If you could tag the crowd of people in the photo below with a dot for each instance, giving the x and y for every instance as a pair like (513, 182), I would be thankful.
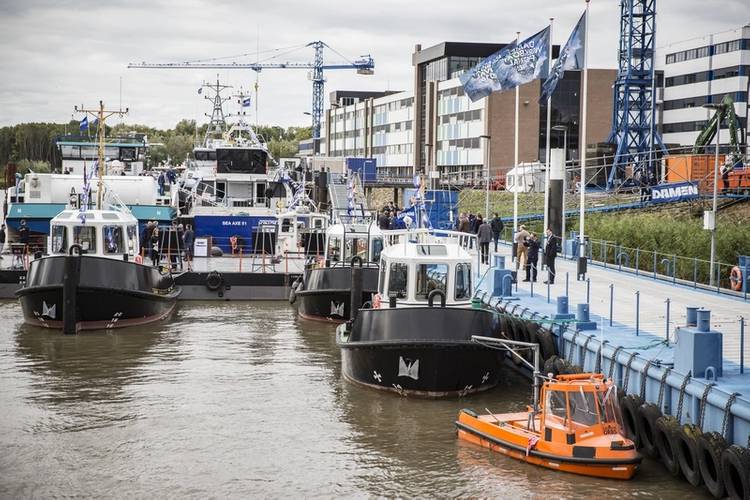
(388, 217)
(486, 231)
(171, 243)
(527, 253)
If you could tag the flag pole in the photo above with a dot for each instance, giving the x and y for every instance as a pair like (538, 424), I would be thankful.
(582, 145)
(549, 132)
(515, 160)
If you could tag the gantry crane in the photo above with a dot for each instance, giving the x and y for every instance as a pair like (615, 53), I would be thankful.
(365, 65)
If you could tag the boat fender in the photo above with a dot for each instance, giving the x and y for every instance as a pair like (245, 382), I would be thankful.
(138, 259)
(549, 366)
(431, 296)
(735, 464)
(687, 453)
(546, 343)
(710, 447)
(630, 405)
(214, 280)
(666, 442)
(293, 291)
(376, 300)
(647, 415)
(75, 250)
(165, 283)
(735, 279)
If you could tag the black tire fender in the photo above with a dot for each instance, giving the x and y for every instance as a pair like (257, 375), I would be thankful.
(214, 280)
(710, 447)
(666, 443)
(735, 466)
(647, 415)
(687, 453)
(546, 343)
(630, 405)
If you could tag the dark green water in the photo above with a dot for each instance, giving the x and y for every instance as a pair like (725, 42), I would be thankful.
(243, 400)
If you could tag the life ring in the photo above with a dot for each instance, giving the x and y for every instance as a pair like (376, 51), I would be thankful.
(293, 291)
(214, 280)
(710, 447)
(75, 250)
(376, 300)
(687, 453)
(735, 279)
(138, 259)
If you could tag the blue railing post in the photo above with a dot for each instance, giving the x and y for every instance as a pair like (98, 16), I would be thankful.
(695, 272)
(718, 277)
(667, 325)
(604, 253)
(567, 277)
(674, 268)
(637, 312)
(611, 301)
(742, 345)
(531, 282)
(548, 297)
(654, 264)
(588, 290)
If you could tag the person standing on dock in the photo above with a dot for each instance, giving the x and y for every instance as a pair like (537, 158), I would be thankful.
(497, 228)
(154, 242)
(484, 235)
(188, 238)
(532, 257)
(550, 254)
(519, 239)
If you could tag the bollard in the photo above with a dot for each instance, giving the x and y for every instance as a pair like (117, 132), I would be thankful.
(562, 305)
(588, 290)
(667, 325)
(637, 312)
(692, 316)
(704, 320)
(611, 301)
(582, 312)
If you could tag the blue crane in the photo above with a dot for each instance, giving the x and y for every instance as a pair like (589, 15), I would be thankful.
(365, 65)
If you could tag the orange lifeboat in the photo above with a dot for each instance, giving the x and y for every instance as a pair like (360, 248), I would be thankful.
(577, 428)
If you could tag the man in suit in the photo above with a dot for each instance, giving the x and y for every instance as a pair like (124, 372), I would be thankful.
(550, 253)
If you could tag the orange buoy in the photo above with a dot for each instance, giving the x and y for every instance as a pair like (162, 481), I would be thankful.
(735, 279)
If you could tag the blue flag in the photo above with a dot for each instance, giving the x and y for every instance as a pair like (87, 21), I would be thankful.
(511, 66)
(200, 90)
(84, 125)
(571, 58)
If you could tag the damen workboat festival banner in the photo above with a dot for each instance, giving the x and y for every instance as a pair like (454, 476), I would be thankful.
(511, 66)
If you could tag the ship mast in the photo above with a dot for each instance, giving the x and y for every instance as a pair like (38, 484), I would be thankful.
(101, 116)
(218, 124)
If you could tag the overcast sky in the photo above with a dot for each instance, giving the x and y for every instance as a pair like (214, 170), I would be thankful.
(54, 55)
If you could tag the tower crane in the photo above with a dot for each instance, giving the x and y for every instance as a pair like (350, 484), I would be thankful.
(365, 65)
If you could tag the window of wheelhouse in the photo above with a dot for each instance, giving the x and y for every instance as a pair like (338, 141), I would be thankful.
(260, 193)
(398, 279)
(85, 236)
(555, 409)
(463, 281)
(377, 248)
(132, 238)
(334, 249)
(286, 225)
(431, 277)
(59, 239)
(583, 409)
(113, 239)
(356, 247)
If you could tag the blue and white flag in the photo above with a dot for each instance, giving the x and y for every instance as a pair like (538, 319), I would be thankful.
(513, 65)
(246, 102)
(571, 58)
(84, 125)
(200, 90)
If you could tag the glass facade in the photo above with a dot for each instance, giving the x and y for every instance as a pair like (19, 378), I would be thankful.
(566, 112)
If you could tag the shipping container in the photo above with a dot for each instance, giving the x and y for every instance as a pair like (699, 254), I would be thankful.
(697, 168)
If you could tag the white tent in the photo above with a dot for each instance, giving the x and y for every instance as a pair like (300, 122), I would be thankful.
(525, 178)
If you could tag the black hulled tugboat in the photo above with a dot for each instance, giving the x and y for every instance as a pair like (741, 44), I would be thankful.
(416, 341)
(324, 291)
(93, 277)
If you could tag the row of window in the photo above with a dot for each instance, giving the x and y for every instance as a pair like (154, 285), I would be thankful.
(704, 76)
(708, 50)
(695, 126)
(393, 127)
(92, 152)
(394, 105)
(698, 101)
(429, 277)
(469, 143)
(394, 149)
(85, 236)
(463, 116)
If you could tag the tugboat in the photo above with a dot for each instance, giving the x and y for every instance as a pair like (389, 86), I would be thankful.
(324, 291)
(417, 342)
(577, 428)
(93, 277)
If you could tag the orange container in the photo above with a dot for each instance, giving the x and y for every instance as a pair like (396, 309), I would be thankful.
(699, 168)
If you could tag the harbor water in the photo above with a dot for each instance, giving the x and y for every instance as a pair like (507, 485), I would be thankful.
(244, 400)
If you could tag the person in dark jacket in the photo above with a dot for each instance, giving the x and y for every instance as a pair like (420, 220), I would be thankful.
(188, 238)
(550, 254)
(497, 228)
(383, 219)
(155, 246)
(484, 235)
(532, 257)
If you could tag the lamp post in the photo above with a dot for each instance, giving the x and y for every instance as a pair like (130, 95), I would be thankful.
(564, 130)
(712, 226)
(486, 174)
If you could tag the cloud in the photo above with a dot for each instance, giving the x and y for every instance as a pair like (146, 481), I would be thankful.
(59, 54)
